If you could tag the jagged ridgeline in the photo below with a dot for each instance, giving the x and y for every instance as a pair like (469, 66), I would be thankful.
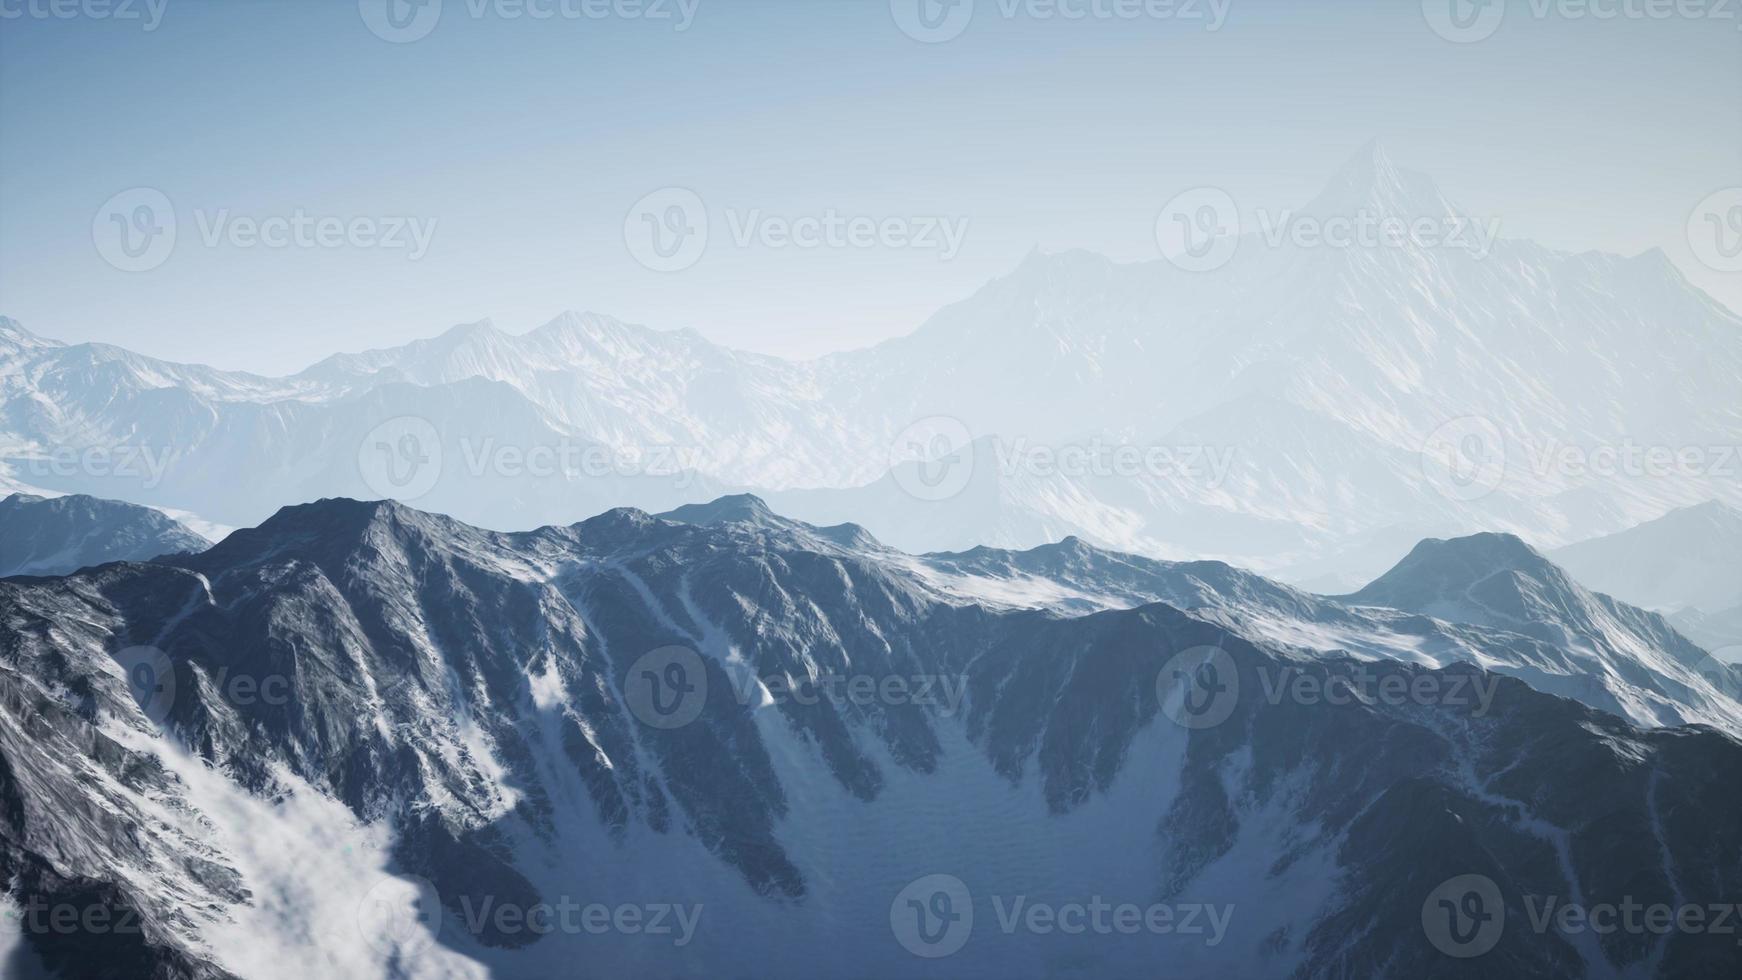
(362, 739)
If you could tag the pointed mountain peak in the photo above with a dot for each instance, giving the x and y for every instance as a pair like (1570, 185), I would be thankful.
(1371, 163)
(13, 336)
(601, 330)
(1371, 183)
(467, 332)
(1368, 172)
(574, 320)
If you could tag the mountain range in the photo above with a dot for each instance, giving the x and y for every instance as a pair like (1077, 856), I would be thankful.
(1305, 410)
(345, 741)
(54, 536)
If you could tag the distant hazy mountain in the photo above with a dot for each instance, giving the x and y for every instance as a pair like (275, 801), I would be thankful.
(1687, 563)
(1719, 632)
(382, 727)
(1273, 411)
(1688, 557)
(54, 536)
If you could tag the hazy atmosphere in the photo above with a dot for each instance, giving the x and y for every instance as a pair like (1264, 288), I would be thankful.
(936, 489)
(1051, 124)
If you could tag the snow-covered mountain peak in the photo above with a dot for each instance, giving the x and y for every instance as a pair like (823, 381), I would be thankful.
(1475, 554)
(1371, 183)
(13, 337)
(1498, 580)
(743, 507)
(1450, 571)
(337, 530)
(605, 336)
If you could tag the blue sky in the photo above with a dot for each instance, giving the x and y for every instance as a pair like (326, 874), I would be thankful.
(521, 144)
